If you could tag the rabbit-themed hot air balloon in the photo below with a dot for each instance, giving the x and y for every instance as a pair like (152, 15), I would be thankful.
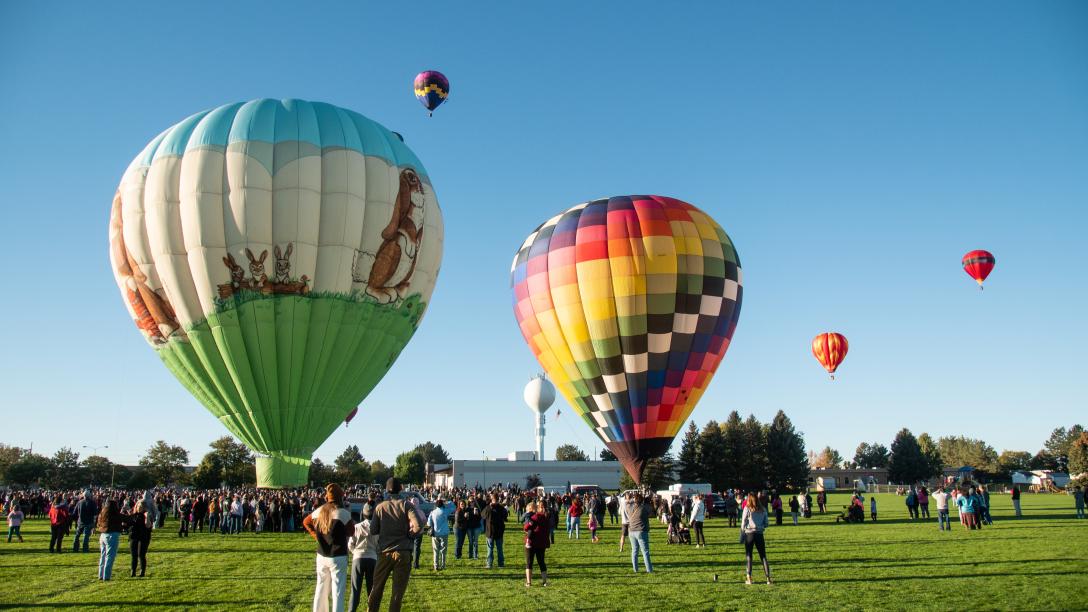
(278, 255)
(630, 304)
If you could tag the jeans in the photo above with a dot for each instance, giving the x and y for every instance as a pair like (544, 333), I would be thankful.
(56, 538)
(235, 523)
(14, 531)
(492, 545)
(795, 516)
(138, 549)
(943, 520)
(1016, 506)
(417, 547)
(640, 541)
(332, 574)
(107, 552)
(439, 544)
(399, 565)
(460, 533)
(925, 509)
(1080, 512)
(213, 522)
(574, 525)
(362, 571)
(474, 543)
(85, 531)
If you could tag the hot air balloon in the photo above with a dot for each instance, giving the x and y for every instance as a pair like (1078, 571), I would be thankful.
(432, 88)
(351, 415)
(830, 349)
(277, 255)
(978, 265)
(539, 395)
(629, 303)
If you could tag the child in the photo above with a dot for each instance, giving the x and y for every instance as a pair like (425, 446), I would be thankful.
(872, 507)
(593, 527)
(15, 520)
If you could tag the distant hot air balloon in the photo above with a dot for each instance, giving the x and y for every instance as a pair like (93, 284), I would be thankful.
(277, 255)
(432, 88)
(351, 415)
(629, 303)
(978, 265)
(830, 349)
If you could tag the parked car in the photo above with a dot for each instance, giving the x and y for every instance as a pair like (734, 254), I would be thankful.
(715, 505)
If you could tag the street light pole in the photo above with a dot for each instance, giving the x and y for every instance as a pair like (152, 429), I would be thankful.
(484, 453)
(94, 452)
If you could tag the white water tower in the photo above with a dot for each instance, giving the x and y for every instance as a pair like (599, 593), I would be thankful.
(539, 395)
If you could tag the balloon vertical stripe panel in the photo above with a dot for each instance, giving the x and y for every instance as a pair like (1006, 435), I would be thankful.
(629, 303)
(278, 255)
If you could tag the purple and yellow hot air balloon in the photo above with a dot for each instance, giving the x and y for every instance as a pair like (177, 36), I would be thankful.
(630, 304)
(432, 88)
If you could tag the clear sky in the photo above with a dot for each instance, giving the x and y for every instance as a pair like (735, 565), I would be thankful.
(854, 151)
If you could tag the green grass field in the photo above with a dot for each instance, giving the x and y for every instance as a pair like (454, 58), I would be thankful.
(1039, 562)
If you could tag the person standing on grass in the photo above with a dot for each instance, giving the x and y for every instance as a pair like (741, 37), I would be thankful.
(460, 527)
(1016, 500)
(574, 519)
(795, 508)
(872, 507)
(1078, 501)
(139, 523)
(912, 503)
(494, 518)
(731, 508)
(625, 526)
(85, 515)
(696, 518)
(395, 524)
(475, 525)
(537, 539)
(364, 558)
(15, 521)
(753, 522)
(237, 513)
(941, 499)
(613, 509)
(417, 539)
(821, 501)
(776, 505)
(966, 503)
(923, 502)
(984, 506)
(110, 525)
(58, 524)
(639, 514)
(330, 525)
(439, 523)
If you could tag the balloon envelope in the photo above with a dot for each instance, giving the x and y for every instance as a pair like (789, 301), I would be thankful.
(978, 265)
(830, 349)
(431, 88)
(277, 255)
(630, 304)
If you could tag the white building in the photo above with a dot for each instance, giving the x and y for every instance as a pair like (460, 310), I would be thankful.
(515, 468)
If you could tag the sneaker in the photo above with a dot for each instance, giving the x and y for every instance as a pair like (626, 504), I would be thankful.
(769, 581)
(747, 580)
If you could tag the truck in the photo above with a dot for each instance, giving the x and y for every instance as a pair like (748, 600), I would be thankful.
(688, 489)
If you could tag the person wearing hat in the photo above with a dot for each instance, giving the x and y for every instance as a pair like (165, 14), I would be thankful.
(364, 552)
(330, 525)
(396, 525)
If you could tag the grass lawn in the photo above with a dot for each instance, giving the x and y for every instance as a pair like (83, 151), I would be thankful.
(1038, 562)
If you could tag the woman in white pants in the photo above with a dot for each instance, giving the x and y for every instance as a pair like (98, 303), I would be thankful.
(330, 525)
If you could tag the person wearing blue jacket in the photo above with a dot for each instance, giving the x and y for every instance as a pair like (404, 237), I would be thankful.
(968, 505)
(439, 523)
(753, 521)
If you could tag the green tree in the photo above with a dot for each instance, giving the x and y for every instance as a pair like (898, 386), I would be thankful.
(208, 473)
(30, 469)
(433, 453)
(533, 481)
(658, 474)
(787, 464)
(1057, 445)
(827, 459)
(165, 463)
(141, 480)
(380, 472)
(687, 462)
(607, 455)
(960, 450)
(570, 452)
(907, 464)
(9, 455)
(321, 474)
(869, 456)
(711, 455)
(65, 471)
(98, 470)
(736, 447)
(409, 467)
(352, 468)
(932, 452)
(753, 465)
(239, 466)
(1043, 461)
(1013, 461)
(1078, 455)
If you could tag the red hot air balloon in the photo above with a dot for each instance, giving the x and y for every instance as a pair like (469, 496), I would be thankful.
(351, 415)
(830, 349)
(978, 265)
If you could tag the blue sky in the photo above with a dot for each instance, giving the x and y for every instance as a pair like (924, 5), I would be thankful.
(853, 150)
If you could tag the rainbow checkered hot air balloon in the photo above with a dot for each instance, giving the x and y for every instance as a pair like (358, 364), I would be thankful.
(432, 88)
(630, 304)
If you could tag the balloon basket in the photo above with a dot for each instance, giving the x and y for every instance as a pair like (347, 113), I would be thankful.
(282, 471)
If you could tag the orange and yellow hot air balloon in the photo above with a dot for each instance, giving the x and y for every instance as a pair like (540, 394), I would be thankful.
(830, 349)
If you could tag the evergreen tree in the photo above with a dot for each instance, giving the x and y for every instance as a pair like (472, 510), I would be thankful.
(736, 446)
(932, 452)
(352, 468)
(787, 464)
(870, 456)
(688, 459)
(753, 465)
(1078, 455)
(907, 464)
(658, 473)
(433, 453)
(321, 474)
(607, 455)
(1057, 445)
(569, 452)
(710, 456)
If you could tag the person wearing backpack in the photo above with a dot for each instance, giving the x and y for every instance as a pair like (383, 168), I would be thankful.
(58, 524)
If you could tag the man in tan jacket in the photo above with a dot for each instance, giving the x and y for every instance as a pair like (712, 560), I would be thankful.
(396, 525)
